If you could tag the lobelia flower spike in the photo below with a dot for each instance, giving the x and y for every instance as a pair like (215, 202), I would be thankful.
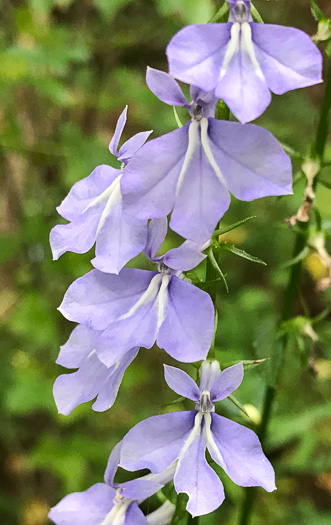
(111, 503)
(139, 307)
(191, 170)
(92, 379)
(181, 438)
(95, 209)
(243, 61)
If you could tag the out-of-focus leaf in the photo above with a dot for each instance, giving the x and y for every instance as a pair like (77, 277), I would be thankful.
(110, 8)
(30, 391)
(297, 259)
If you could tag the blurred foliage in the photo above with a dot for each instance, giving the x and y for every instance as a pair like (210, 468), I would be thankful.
(67, 69)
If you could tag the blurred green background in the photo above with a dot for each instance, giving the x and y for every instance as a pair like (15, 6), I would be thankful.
(67, 69)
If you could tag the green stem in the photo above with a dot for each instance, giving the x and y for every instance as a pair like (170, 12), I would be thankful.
(192, 521)
(211, 275)
(289, 302)
(318, 150)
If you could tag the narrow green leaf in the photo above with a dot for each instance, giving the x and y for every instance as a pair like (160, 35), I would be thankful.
(256, 15)
(221, 15)
(175, 402)
(248, 364)
(213, 261)
(320, 317)
(316, 11)
(235, 401)
(206, 284)
(241, 253)
(295, 155)
(227, 229)
(297, 259)
(178, 121)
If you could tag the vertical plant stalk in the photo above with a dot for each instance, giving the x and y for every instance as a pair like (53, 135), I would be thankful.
(193, 521)
(317, 151)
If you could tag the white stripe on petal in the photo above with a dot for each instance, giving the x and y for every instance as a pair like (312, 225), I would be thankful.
(117, 514)
(147, 296)
(163, 299)
(248, 47)
(193, 434)
(193, 143)
(208, 152)
(211, 442)
(162, 477)
(114, 197)
(232, 48)
(110, 196)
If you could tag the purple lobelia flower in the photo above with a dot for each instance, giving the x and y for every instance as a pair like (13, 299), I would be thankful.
(95, 209)
(139, 307)
(181, 439)
(191, 170)
(92, 379)
(243, 61)
(111, 503)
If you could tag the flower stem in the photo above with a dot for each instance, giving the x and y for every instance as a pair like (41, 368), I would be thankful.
(318, 150)
(290, 297)
(324, 123)
(192, 521)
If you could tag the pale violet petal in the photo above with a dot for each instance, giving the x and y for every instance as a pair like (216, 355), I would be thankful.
(97, 299)
(227, 382)
(131, 146)
(120, 238)
(195, 477)
(165, 87)
(240, 454)
(201, 195)
(113, 145)
(235, 149)
(84, 508)
(112, 465)
(241, 83)
(134, 516)
(149, 185)
(196, 53)
(85, 191)
(156, 442)
(181, 383)
(184, 258)
(287, 56)
(209, 371)
(157, 231)
(79, 345)
(188, 328)
(139, 489)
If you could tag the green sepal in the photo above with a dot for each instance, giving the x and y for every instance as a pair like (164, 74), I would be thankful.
(214, 264)
(227, 229)
(241, 253)
(248, 364)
